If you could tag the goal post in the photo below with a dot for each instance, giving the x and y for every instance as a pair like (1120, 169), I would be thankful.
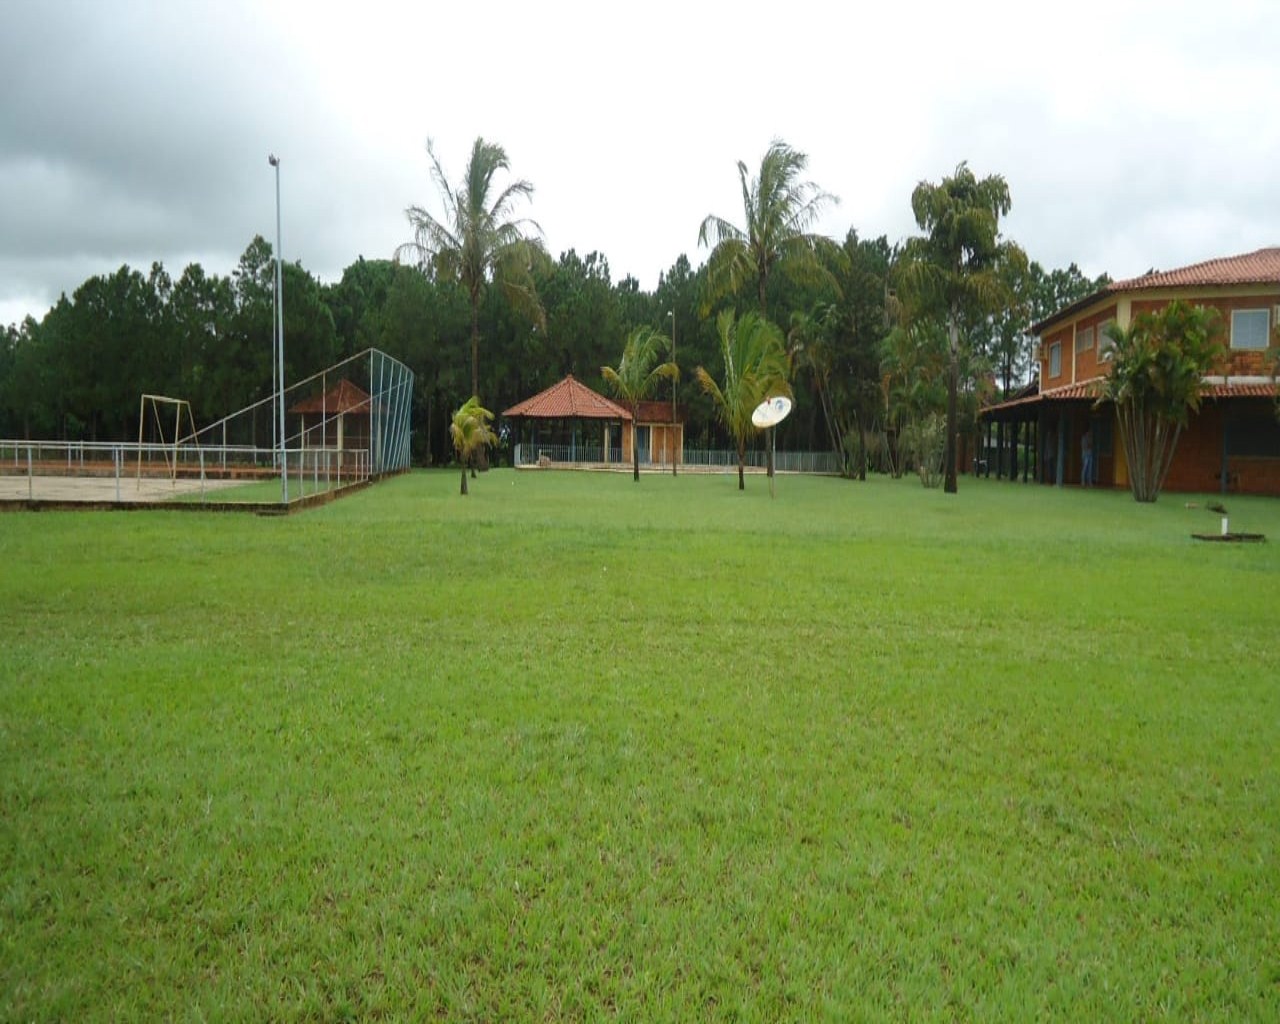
(165, 415)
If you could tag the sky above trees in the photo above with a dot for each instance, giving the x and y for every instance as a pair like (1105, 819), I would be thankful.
(1131, 134)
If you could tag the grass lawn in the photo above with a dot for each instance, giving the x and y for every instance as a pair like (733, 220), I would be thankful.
(574, 748)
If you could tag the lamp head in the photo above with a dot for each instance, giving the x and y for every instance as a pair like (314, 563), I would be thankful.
(273, 160)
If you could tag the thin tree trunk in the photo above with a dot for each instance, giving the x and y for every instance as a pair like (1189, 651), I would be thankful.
(464, 478)
(475, 345)
(635, 449)
(742, 455)
(862, 450)
(949, 456)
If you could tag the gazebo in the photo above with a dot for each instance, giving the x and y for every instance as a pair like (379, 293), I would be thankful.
(568, 422)
(337, 418)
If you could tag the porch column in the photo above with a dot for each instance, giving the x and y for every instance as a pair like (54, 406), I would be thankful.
(1062, 448)
(1225, 474)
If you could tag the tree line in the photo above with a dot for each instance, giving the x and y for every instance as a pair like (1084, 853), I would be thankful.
(873, 344)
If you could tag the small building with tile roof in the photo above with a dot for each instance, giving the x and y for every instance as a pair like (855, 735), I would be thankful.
(1231, 444)
(337, 418)
(569, 422)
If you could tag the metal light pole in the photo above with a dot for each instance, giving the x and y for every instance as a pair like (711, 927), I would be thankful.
(675, 455)
(274, 161)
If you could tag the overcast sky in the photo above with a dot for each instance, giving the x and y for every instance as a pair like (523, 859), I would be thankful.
(1132, 134)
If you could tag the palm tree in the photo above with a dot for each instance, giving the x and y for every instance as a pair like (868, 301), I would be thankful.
(953, 269)
(636, 376)
(1158, 365)
(778, 210)
(471, 433)
(755, 368)
(477, 240)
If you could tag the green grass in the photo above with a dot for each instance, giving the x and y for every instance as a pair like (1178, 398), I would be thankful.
(574, 748)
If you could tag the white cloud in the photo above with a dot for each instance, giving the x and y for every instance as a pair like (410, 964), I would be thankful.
(1131, 134)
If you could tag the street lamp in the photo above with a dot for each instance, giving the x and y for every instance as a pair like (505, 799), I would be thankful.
(674, 380)
(274, 161)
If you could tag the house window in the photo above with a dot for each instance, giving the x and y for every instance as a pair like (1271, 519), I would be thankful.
(1105, 344)
(1084, 340)
(1249, 328)
(1055, 359)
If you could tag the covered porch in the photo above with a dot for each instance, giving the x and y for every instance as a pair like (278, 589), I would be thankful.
(1040, 437)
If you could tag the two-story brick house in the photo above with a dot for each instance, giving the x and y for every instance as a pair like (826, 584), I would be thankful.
(1231, 444)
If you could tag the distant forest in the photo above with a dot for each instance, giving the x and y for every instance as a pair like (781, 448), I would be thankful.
(862, 361)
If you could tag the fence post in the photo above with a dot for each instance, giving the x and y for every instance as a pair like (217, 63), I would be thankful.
(30, 477)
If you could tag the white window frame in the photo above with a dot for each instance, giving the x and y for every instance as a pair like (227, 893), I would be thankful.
(1084, 339)
(1264, 315)
(1105, 344)
(1055, 357)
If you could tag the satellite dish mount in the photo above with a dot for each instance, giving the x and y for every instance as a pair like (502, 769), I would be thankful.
(767, 415)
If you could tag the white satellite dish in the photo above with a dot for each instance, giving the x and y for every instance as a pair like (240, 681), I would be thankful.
(771, 411)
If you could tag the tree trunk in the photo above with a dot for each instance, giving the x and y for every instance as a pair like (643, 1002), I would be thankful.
(742, 456)
(464, 478)
(475, 345)
(949, 456)
(862, 450)
(635, 450)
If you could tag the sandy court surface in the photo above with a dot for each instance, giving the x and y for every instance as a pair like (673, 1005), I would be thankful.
(103, 489)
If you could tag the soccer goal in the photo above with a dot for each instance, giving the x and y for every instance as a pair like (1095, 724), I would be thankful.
(161, 432)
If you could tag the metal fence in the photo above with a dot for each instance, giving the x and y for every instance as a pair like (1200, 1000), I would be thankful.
(363, 402)
(694, 458)
(127, 472)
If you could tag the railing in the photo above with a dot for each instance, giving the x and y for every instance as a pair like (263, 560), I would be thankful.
(128, 472)
(784, 462)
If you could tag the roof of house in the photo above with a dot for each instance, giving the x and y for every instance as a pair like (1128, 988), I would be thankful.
(568, 400)
(1260, 267)
(342, 398)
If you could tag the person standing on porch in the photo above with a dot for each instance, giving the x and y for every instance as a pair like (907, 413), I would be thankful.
(1086, 458)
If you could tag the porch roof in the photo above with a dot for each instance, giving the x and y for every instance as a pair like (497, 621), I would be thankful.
(568, 399)
(1091, 390)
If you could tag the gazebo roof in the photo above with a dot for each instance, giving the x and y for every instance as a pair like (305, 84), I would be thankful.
(341, 399)
(570, 399)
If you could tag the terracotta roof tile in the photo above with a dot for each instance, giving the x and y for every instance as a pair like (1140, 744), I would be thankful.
(654, 412)
(567, 400)
(344, 397)
(1092, 388)
(1261, 267)
(1253, 389)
